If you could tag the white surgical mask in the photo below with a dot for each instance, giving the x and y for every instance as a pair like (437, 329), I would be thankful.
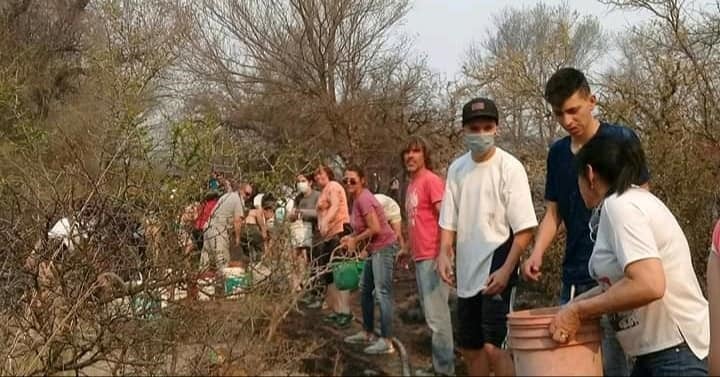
(303, 187)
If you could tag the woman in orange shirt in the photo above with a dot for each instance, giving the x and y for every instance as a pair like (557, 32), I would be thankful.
(333, 218)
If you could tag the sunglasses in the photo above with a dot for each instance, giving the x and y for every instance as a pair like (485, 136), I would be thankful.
(350, 181)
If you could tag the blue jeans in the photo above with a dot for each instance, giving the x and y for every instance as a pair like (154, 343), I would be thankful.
(377, 279)
(615, 362)
(674, 361)
(434, 300)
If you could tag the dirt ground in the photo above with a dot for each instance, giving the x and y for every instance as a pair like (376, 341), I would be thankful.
(337, 358)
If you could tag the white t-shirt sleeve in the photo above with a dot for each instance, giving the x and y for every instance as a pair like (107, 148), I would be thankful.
(632, 237)
(518, 199)
(449, 208)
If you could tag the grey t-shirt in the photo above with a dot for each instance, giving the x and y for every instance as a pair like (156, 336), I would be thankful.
(306, 206)
(229, 205)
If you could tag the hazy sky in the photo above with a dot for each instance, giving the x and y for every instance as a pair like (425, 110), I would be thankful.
(443, 29)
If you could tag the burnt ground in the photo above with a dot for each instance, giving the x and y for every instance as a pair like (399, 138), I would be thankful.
(338, 358)
(349, 360)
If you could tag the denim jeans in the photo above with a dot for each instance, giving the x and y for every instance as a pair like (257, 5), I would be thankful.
(434, 300)
(674, 361)
(615, 362)
(377, 281)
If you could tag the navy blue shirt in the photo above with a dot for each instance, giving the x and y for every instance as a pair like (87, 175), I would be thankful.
(561, 186)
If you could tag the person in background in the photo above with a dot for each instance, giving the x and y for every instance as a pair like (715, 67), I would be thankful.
(572, 102)
(224, 227)
(304, 220)
(713, 290)
(394, 216)
(642, 262)
(255, 235)
(371, 228)
(333, 219)
(247, 195)
(206, 208)
(422, 205)
(488, 210)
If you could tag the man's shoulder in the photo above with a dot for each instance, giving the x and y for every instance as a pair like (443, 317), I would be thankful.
(458, 164)
(429, 177)
(561, 144)
(613, 129)
(507, 159)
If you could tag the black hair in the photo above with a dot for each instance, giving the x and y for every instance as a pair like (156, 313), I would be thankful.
(357, 169)
(563, 84)
(619, 161)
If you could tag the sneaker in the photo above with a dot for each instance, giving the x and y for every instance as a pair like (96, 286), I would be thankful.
(343, 321)
(380, 347)
(359, 338)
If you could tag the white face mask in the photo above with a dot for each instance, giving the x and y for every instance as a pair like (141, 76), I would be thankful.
(303, 187)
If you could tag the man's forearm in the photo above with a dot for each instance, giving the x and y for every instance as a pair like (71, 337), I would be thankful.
(546, 233)
(520, 244)
(447, 239)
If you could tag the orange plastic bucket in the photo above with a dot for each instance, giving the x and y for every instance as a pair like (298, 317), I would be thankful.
(535, 353)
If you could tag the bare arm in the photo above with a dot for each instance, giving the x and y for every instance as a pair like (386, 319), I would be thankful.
(397, 228)
(644, 282)
(546, 233)
(548, 229)
(444, 259)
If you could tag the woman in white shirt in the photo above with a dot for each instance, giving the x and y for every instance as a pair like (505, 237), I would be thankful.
(642, 262)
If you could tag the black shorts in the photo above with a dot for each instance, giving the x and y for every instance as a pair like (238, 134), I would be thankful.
(483, 319)
(323, 253)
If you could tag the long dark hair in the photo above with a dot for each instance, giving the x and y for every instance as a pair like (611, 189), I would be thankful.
(421, 143)
(619, 161)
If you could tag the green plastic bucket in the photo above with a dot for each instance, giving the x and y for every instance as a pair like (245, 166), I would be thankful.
(236, 280)
(346, 274)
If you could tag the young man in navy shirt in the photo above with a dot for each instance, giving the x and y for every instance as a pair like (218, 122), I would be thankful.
(572, 102)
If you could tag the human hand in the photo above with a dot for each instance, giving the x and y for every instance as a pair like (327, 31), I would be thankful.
(565, 324)
(497, 282)
(445, 268)
(531, 267)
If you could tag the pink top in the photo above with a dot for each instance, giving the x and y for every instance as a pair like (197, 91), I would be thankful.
(423, 194)
(716, 239)
(362, 206)
(333, 193)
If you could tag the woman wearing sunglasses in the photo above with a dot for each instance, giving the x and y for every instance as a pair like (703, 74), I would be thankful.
(374, 239)
(642, 262)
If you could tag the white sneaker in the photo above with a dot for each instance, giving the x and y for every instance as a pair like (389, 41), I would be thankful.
(381, 346)
(359, 338)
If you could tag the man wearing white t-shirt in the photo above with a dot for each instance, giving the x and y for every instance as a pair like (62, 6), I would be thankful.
(488, 210)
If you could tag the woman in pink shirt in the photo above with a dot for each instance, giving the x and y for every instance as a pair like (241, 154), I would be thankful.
(713, 289)
(374, 240)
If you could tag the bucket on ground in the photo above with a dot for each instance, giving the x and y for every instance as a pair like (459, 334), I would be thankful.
(237, 279)
(535, 353)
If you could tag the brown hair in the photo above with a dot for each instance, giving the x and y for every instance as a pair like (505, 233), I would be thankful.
(327, 170)
(359, 171)
(417, 142)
